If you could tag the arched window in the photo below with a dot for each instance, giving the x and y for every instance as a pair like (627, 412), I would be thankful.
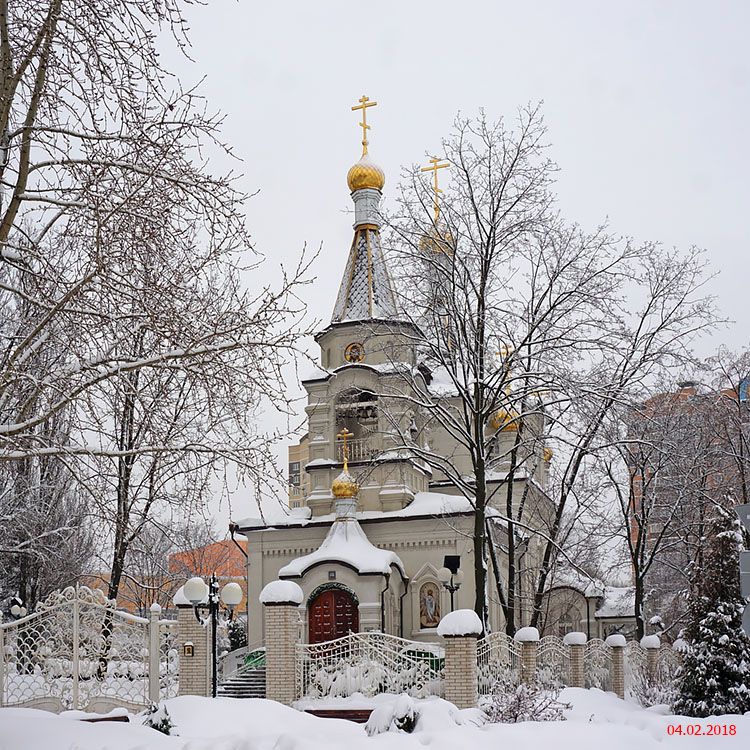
(357, 411)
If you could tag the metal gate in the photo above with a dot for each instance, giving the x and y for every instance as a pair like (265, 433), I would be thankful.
(77, 651)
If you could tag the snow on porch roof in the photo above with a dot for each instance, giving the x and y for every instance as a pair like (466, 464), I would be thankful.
(424, 504)
(346, 543)
(619, 601)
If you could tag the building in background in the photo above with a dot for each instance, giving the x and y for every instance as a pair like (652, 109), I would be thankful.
(688, 449)
(299, 480)
(226, 559)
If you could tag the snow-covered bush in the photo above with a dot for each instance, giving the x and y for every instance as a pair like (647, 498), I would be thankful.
(158, 718)
(658, 691)
(509, 704)
(399, 716)
(407, 715)
(496, 671)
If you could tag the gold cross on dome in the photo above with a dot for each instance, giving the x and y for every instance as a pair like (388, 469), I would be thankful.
(344, 435)
(434, 169)
(364, 103)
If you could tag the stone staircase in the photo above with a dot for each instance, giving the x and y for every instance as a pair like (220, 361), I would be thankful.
(246, 682)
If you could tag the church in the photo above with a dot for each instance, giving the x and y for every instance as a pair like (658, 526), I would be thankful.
(381, 541)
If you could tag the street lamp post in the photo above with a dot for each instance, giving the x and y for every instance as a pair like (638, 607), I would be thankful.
(207, 596)
(451, 580)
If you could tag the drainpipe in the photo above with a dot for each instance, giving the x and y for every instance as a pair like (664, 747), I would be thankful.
(387, 577)
(234, 528)
(401, 607)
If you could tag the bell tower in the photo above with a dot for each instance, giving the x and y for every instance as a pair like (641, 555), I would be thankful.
(362, 350)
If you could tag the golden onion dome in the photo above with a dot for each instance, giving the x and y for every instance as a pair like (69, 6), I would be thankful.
(344, 485)
(365, 174)
(547, 454)
(504, 420)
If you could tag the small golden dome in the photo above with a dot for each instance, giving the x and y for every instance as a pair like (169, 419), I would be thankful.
(365, 174)
(547, 454)
(344, 485)
(504, 420)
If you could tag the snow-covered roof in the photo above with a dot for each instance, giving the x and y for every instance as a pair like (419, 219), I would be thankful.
(619, 601)
(423, 504)
(441, 383)
(576, 579)
(346, 543)
(316, 373)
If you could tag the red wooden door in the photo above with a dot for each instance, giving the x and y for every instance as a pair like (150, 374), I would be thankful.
(332, 615)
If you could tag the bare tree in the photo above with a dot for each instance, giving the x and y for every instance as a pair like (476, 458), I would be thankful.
(673, 458)
(155, 568)
(532, 336)
(130, 257)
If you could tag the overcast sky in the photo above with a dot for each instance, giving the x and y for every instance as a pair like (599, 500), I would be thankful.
(647, 105)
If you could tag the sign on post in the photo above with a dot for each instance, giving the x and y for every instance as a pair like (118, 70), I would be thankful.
(743, 511)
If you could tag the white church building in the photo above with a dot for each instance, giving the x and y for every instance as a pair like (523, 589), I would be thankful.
(373, 533)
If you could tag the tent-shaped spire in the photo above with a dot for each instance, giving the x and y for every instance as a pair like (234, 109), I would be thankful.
(366, 290)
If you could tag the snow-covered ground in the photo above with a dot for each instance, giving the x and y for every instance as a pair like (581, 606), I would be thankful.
(597, 721)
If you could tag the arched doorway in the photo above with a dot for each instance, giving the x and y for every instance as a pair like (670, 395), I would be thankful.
(332, 613)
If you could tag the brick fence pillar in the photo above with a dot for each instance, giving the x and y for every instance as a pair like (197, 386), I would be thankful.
(617, 663)
(194, 653)
(460, 675)
(576, 642)
(651, 644)
(461, 629)
(529, 640)
(281, 600)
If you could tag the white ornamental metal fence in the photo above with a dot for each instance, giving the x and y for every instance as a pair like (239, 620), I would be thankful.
(636, 667)
(368, 663)
(597, 657)
(553, 662)
(498, 662)
(77, 651)
(668, 662)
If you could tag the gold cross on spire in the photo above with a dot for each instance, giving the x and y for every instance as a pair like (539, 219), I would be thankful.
(364, 103)
(434, 169)
(344, 435)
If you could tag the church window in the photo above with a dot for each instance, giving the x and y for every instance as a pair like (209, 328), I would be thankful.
(566, 624)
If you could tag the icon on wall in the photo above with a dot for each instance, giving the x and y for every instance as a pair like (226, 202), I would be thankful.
(429, 606)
